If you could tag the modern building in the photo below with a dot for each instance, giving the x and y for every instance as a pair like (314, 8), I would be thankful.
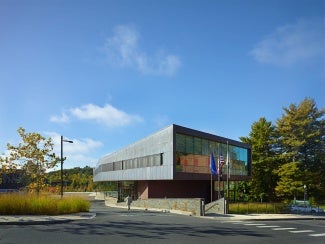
(174, 163)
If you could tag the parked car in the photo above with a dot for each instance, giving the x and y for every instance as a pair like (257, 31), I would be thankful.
(299, 206)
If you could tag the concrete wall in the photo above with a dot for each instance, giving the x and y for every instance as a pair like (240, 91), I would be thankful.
(216, 207)
(191, 206)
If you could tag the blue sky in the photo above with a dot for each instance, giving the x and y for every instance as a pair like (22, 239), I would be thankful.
(108, 73)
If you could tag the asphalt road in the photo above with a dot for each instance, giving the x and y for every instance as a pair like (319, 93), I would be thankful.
(113, 225)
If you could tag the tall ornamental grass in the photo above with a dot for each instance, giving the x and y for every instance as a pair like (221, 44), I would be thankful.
(254, 207)
(30, 204)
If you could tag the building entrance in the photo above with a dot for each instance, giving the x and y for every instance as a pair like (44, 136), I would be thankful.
(127, 188)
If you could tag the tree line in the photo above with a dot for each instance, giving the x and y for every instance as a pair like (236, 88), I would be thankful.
(288, 157)
(76, 180)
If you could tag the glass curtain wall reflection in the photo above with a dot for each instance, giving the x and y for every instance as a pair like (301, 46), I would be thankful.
(193, 155)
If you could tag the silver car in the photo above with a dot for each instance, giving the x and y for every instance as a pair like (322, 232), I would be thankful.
(304, 207)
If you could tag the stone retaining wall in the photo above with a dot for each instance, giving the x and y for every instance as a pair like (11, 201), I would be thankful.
(194, 206)
(217, 207)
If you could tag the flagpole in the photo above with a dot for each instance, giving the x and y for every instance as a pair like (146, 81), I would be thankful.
(218, 171)
(211, 186)
(213, 172)
(211, 154)
(227, 207)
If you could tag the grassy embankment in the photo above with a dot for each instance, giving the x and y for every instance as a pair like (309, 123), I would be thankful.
(30, 204)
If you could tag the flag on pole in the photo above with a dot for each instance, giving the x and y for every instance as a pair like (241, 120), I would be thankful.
(221, 163)
(213, 165)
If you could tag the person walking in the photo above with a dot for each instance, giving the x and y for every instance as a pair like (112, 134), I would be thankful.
(128, 201)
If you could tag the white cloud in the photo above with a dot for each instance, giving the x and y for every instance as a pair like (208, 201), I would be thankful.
(293, 43)
(78, 153)
(123, 49)
(123, 46)
(60, 119)
(107, 115)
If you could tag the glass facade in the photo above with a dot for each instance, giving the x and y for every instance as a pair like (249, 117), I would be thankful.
(193, 155)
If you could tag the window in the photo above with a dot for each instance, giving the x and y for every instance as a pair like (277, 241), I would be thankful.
(133, 163)
(193, 155)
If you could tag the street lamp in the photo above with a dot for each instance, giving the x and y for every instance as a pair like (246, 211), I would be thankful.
(305, 191)
(62, 140)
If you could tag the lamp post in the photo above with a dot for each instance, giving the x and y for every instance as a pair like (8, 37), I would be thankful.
(305, 191)
(62, 140)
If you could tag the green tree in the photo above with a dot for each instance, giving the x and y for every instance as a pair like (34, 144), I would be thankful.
(263, 140)
(301, 130)
(34, 155)
(290, 184)
(302, 139)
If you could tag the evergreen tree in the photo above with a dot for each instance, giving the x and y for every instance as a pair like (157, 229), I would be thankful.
(262, 138)
(302, 139)
(290, 184)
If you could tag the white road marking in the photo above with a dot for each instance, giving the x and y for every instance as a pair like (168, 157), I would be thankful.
(301, 231)
(268, 226)
(320, 234)
(238, 223)
(284, 228)
(255, 224)
(276, 227)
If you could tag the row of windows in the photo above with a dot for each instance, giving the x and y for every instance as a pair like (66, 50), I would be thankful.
(140, 162)
(193, 155)
(198, 146)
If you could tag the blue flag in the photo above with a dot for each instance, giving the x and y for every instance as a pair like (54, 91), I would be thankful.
(213, 165)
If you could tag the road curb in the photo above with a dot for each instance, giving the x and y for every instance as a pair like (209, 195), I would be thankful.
(36, 222)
